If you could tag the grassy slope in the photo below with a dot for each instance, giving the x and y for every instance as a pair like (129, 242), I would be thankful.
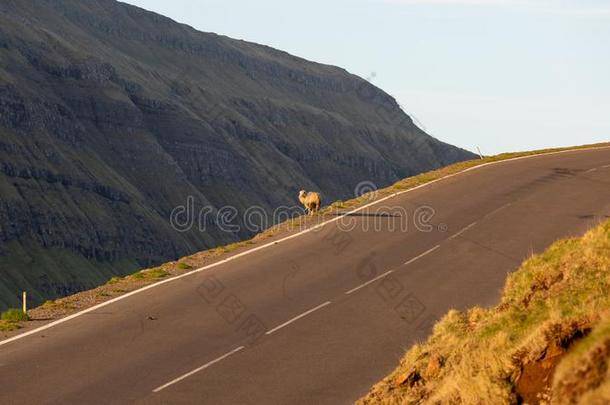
(118, 286)
(547, 340)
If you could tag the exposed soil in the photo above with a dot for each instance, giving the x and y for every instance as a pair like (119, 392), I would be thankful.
(533, 386)
(534, 383)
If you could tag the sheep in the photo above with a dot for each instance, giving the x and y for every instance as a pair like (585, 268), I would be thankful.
(311, 201)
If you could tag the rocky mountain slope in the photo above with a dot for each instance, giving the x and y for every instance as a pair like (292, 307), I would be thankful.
(111, 116)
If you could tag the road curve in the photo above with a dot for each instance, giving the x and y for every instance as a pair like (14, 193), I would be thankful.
(320, 317)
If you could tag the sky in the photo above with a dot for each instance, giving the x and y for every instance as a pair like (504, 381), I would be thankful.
(499, 75)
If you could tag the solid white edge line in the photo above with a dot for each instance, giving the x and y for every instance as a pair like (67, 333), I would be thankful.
(464, 229)
(427, 252)
(198, 369)
(368, 282)
(250, 251)
(296, 318)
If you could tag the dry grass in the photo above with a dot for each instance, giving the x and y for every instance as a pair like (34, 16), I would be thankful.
(155, 273)
(9, 326)
(11, 319)
(14, 315)
(583, 376)
(554, 315)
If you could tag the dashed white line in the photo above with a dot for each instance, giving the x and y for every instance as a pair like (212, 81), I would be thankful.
(496, 210)
(368, 282)
(296, 318)
(198, 369)
(464, 229)
(427, 252)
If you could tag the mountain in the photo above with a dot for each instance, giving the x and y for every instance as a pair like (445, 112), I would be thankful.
(112, 116)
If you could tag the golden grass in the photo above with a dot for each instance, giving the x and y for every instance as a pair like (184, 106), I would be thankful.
(154, 273)
(14, 315)
(584, 374)
(9, 326)
(11, 319)
(493, 355)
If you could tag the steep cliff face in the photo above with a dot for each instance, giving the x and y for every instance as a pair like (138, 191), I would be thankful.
(112, 116)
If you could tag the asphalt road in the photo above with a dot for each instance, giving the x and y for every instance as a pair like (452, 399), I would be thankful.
(319, 318)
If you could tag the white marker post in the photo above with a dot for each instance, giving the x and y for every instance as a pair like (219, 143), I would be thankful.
(480, 154)
(25, 302)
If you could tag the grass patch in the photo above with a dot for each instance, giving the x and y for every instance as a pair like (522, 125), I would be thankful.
(114, 280)
(140, 275)
(184, 266)
(554, 314)
(11, 319)
(14, 315)
(149, 274)
(157, 272)
(8, 326)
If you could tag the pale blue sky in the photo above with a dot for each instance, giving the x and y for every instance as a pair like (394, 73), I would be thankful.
(503, 75)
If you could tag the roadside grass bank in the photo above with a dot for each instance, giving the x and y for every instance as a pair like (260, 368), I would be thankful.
(11, 319)
(116, 286)
(547, 341)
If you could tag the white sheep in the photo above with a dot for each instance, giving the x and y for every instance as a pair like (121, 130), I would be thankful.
(311, 201)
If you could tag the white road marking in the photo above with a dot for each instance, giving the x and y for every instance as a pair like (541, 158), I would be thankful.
(605, 167)
(494, 212)
(296, 318)
(368, 282)
(464, 229)
(591, 170)
(427, 252)
(250, 251)
(198, 369)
